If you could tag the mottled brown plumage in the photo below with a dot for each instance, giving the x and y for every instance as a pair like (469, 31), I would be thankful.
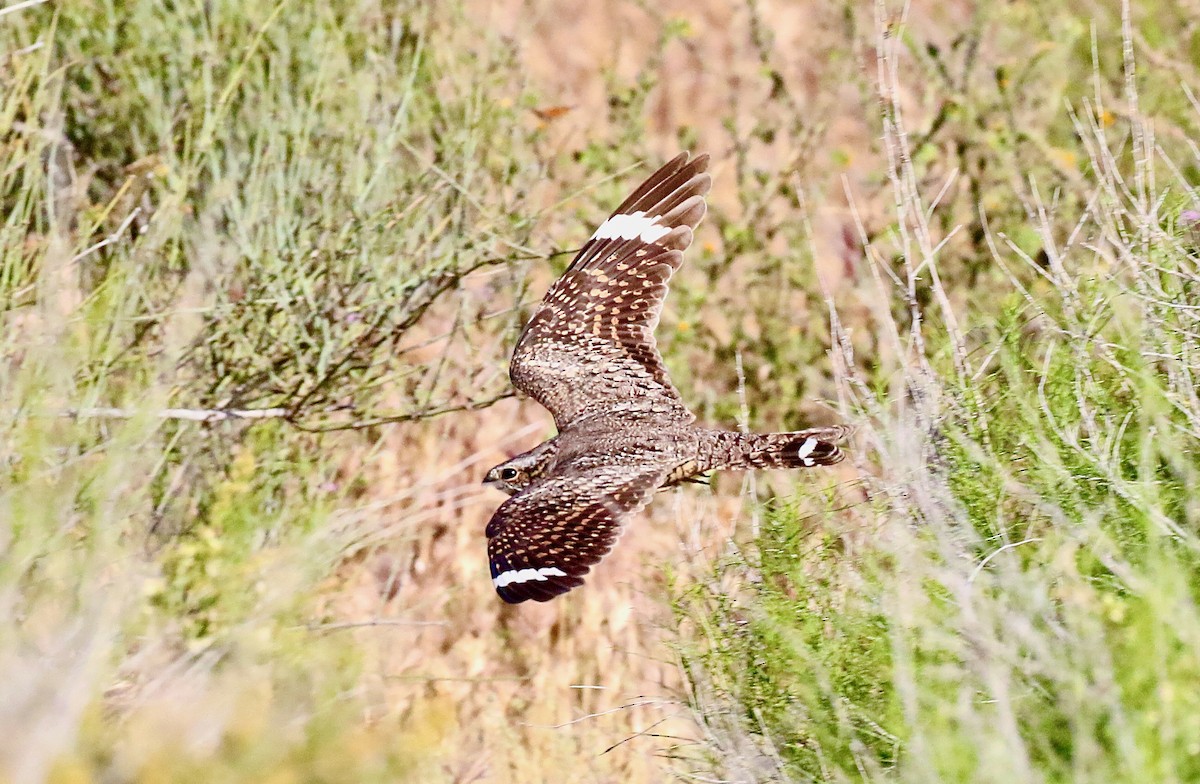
(588, 355)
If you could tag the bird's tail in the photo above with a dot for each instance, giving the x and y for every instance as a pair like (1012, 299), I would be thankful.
(816, 446)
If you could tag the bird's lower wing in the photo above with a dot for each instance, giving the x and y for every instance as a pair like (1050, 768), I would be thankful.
(543, 540)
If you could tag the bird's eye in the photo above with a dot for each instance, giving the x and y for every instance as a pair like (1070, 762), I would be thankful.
(508, 473)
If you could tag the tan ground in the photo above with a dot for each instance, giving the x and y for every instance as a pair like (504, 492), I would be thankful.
(543, 692)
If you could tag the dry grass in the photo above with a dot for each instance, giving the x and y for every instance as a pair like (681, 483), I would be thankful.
(316, 205)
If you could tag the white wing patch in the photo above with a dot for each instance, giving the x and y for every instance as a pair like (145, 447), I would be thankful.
(634, 225)
(525, 575)
(806, 449)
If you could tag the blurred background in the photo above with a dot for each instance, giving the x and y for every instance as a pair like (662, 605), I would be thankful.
(261, 270)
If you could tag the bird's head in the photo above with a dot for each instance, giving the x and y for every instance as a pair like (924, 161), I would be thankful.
(513, 476)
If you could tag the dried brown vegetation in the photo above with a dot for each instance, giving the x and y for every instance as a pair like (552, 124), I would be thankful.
(342, 211)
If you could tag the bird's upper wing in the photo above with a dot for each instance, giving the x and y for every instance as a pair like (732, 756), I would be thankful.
(590, 346)
(543, 540)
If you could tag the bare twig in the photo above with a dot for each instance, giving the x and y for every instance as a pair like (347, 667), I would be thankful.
(226, 414)
(412, 416)
(111, 238)
(20, 6)
(186, 414)
(980, 566)
(341, 626)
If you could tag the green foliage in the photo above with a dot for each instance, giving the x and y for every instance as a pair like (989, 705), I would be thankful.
(226, 205)
(307, 179)
(1009, 592)
(1044, 594)
(810, 659)
(216, 206)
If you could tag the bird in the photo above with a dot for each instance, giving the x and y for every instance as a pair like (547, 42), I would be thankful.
(588, 355)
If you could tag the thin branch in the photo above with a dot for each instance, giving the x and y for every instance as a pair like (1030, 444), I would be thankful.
(979, 567)
(187, 414)
(226, 414)
(336, 627)
(412, 416)
(111, 238)
(20, 6)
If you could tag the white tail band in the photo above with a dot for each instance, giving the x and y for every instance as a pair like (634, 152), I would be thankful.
(806, 449)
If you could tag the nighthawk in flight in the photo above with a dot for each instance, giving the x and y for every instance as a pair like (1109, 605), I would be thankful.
(588, 355)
